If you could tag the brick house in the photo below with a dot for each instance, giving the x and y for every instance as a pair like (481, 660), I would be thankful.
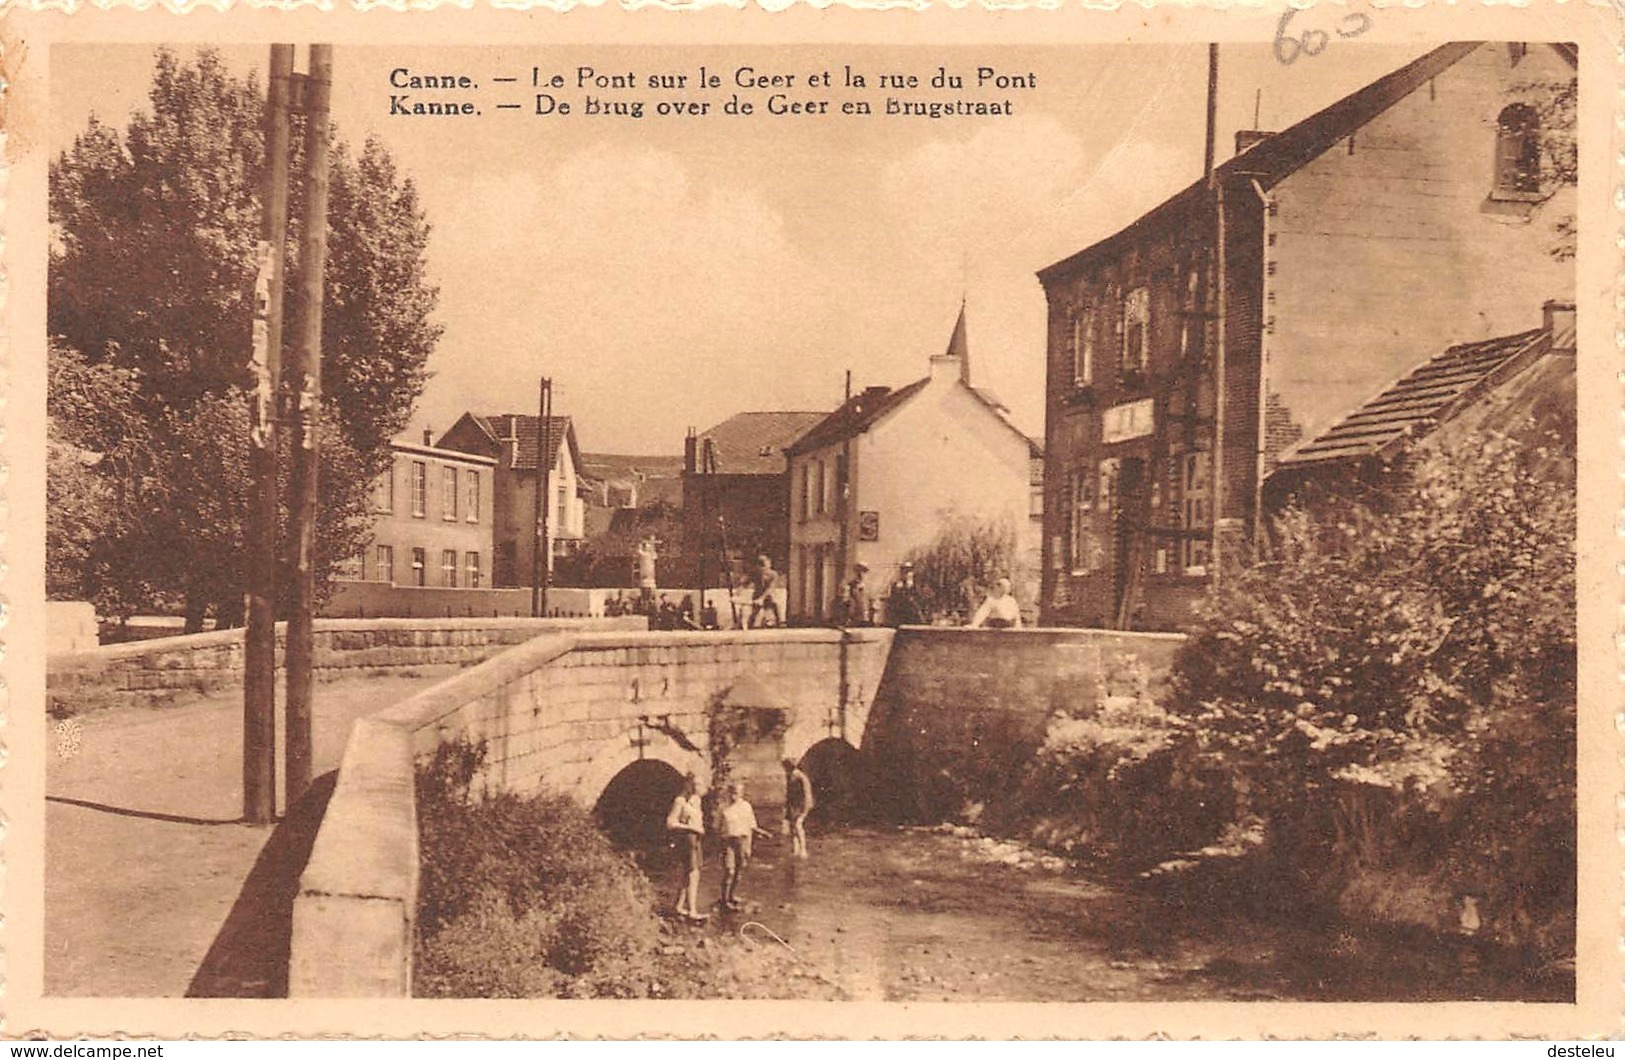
(1191, 352)
(514, 443)
(918, 454)
(736, 489)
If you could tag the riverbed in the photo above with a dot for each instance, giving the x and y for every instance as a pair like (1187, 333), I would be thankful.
(916, 914)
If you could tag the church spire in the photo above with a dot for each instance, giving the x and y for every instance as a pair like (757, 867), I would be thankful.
(959, 348)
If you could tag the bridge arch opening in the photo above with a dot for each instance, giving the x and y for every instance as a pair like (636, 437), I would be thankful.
(632, 810)
(842, 782)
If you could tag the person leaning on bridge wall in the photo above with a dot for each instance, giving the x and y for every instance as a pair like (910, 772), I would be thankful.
(1000, 610)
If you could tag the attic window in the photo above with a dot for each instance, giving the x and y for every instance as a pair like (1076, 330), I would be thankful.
(1517, 154)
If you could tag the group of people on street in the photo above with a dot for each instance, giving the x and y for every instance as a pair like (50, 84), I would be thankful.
(736, 825)
(904, 605)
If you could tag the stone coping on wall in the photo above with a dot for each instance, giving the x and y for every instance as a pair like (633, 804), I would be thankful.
(230, 637)
(1052, 632)
(357, 902)
(446, 697)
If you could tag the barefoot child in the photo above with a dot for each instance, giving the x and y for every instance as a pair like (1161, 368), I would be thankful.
(738, 827)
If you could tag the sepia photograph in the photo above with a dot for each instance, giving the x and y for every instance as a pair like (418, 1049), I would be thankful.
(1067, 522)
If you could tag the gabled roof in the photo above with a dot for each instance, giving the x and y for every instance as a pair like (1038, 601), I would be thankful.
(753, 443)
(500, 428)
(855, 416)
(1416, 404)
(1277, 157)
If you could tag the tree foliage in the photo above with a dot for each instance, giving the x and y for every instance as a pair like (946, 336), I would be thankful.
(1426, 646)
(151, 297)
(960, 564)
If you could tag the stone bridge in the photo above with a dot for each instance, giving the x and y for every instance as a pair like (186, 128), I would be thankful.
(615, 719)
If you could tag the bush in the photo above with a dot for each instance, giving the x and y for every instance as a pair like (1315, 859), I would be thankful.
(1120, 784)
(522, 897)
(1420, 640)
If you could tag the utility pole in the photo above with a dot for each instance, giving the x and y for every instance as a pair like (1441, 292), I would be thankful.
(305, 380)
(1216, 464)
(541, 565)
(843, 483)
(259, 648)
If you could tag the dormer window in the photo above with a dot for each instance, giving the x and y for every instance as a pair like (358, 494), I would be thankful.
(1517, 153)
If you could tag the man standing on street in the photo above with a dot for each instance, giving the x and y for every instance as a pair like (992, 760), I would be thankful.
(903, 607)
(764, 596)
(857, 598)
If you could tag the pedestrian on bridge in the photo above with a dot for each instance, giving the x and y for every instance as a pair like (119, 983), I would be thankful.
(686, 824)
(1000, 610)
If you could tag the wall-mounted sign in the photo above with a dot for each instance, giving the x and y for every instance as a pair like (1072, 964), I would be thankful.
(868, 526)
(1135, 419)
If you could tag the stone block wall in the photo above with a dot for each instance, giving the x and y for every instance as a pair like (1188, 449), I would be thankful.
(169, 670)
(960, 712)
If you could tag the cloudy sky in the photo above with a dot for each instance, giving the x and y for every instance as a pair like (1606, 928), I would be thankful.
(670, 271)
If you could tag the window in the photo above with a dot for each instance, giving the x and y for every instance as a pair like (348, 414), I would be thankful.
(818, 490)
(384, 564)
(1083, 347)
(448, 568)
(420, 488)
(472, 566)
(563, 506)
(350, 569)
(1035, 489)
(1136, 330)
(473, 480)
(448, 493)
(420, 567)
(383, 491)
(806, 491)
(1194, 515)
(1083, 505)
(1517, 153)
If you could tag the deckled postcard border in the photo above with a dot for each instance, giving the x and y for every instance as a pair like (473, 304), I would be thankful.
(25, 36)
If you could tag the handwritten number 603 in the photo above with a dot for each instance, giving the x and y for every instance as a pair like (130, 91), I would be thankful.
(1313, 41)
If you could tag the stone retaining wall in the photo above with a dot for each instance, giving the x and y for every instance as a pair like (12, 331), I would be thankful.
(960, 711)
(169, 670)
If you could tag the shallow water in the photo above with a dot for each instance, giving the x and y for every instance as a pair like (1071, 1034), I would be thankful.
(913, 914)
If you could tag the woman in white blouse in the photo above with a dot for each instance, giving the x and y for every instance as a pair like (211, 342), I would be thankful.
(999, 610)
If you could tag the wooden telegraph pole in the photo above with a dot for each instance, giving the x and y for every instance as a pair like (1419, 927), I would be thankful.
(305, 380)
(540, 555)
(259, 649)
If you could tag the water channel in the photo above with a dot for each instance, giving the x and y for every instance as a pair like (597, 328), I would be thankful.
(904, 914)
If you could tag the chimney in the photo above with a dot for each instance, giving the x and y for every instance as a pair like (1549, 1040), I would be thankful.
(691, 452)
(428, 436)
(1246, 138)
(1558, 318)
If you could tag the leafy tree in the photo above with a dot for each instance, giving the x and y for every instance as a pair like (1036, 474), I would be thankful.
(957, 568)
(151, 276)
